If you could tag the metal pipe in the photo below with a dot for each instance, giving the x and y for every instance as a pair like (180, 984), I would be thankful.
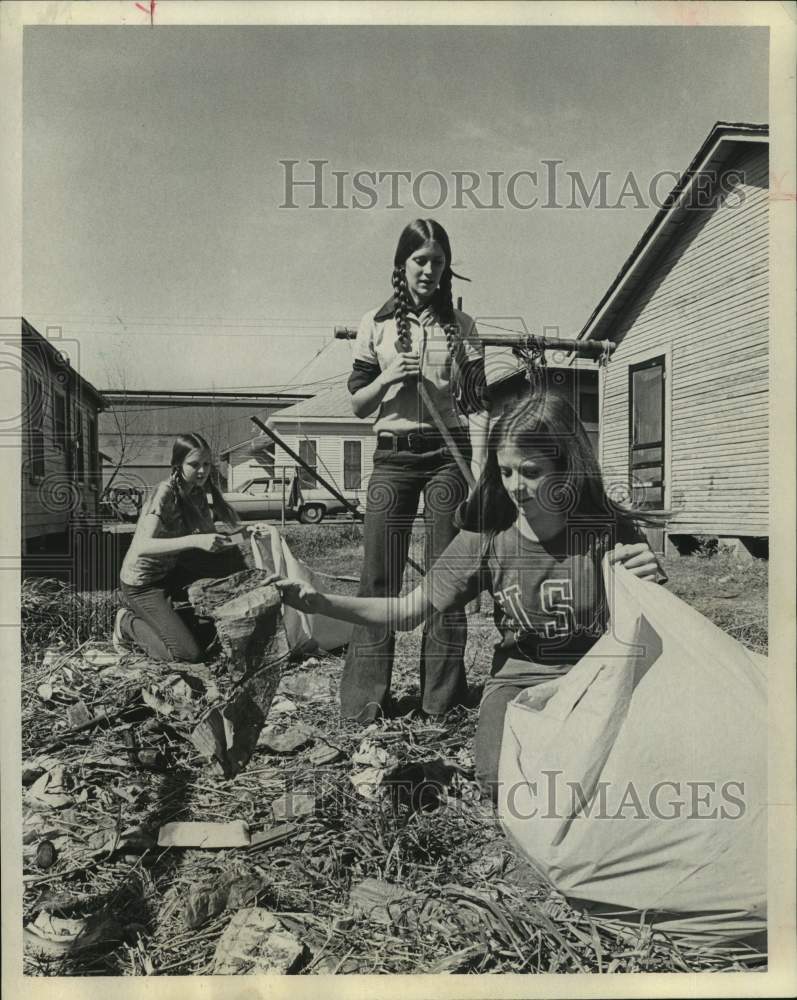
(286, 448)
(498, 339)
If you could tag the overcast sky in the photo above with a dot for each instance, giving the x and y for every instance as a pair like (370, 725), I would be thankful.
(153, 232)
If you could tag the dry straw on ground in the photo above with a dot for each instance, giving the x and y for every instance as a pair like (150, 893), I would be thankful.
(464, 901)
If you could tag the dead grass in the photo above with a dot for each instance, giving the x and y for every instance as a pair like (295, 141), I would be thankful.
(477, 907)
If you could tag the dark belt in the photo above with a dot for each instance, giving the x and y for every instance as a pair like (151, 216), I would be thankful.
(416, 441)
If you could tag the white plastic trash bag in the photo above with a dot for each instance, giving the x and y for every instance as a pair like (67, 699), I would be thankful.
(306, 633)
(638, 781)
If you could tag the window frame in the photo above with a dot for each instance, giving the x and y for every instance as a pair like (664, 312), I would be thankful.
(359, 443)
(659, 360)
(304, 475)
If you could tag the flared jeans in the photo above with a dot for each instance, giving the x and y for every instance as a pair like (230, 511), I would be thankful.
(394, 490)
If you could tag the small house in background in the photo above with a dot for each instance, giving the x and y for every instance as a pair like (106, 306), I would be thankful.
(60, 470)
(507, 381)
(685, 404)
(138, 428)
(326, 435)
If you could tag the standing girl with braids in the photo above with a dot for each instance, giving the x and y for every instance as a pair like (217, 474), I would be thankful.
(415, 354)
(175, 543)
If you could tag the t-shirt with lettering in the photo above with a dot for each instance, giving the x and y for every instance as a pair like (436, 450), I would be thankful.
(550, 603)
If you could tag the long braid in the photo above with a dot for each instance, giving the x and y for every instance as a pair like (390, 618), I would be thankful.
(401, 297)
(444, 304)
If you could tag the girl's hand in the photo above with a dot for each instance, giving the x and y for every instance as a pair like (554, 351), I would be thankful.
(637, 559)
(213, 542)
(297, 595)
(402, 367)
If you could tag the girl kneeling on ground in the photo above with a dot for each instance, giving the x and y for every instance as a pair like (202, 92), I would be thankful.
(175, 543)
(534, 534)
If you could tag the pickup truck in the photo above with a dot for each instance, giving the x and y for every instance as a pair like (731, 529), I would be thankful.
(262, 498)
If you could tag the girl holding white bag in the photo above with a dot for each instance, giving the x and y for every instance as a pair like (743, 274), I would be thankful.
(534, 534)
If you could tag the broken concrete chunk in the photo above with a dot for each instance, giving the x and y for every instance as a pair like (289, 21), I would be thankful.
(233, 834)
(255, 943)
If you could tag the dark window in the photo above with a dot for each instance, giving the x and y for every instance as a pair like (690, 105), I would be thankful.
(352, 464)
(588, 407)
(93, 457)
(35, 422)
(59, 419)
(646, 433)
(308, 454)
(80, 452)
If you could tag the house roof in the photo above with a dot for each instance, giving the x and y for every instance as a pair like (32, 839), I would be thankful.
(32, 336)
(712, 156)
(201, 397)
(333, 404)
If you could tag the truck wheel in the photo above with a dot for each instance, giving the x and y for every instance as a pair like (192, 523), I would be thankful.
(312, 514)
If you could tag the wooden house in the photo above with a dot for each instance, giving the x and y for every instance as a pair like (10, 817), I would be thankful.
(325, 433)
(684, 414)
(60, 469)
(138, 428)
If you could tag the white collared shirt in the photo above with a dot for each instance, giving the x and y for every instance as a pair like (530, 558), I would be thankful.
(402, 410)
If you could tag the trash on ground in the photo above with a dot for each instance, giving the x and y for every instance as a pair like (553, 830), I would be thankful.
(368, 781)
(52, 937)
(286, 742)
(100, 658)
(78, 715)
(48, 790)
(272, 836)
(383, 902)
(323, 754)
(46, 855)
(371, 755)
(193, 834)
(293, 805)
(256, 943)
(229, 890)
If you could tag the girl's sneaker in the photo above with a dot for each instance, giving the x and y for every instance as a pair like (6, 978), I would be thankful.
(120, 643)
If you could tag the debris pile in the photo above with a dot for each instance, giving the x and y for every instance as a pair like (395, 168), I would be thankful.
(222, 819)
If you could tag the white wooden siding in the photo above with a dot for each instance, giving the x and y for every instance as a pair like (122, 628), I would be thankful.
(329, 440)
(706, 304)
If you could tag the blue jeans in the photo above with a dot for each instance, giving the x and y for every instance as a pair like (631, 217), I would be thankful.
(152, 623)
(394, 490)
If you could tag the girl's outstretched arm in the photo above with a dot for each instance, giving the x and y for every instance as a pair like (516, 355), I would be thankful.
(146, 544)
(399, 614)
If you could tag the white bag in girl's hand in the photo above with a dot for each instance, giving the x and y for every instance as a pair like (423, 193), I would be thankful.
(638, 781)
(306, 633)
